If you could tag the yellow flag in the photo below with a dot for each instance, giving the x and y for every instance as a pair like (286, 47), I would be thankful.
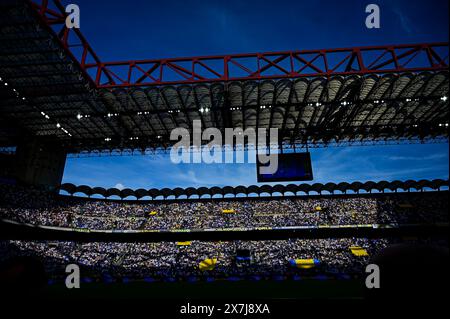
(207, 264)
(304, 263)
(358, 251)
(184, 243)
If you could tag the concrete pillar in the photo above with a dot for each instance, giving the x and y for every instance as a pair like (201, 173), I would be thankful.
(40, 163)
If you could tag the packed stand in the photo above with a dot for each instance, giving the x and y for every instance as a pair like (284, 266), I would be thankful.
(41, 208)
(164, 260)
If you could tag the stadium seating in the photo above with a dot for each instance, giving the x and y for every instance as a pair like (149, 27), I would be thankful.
(42, 208)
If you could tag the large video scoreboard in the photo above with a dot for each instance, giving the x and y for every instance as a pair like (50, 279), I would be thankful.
(291, 167)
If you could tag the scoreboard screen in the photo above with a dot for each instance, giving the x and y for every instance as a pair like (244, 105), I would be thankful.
(291, 167)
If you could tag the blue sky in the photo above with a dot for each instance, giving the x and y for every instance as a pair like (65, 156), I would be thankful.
(139, 29)
(333, 164)
(143, 29)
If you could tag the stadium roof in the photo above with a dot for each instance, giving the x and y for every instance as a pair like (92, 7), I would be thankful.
(54, 86)
(344, 187)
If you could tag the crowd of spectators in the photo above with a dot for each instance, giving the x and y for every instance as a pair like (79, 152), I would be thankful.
(162, 260)
(170, 260)
(41, 208)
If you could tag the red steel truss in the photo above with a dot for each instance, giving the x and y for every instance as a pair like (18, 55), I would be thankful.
(273, 65)
(238, 67)
(52, 15)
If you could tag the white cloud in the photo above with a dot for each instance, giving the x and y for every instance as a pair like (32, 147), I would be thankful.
(419, 158)
(119, 186)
